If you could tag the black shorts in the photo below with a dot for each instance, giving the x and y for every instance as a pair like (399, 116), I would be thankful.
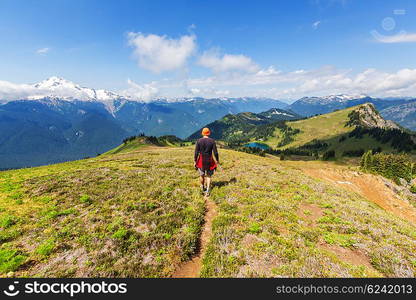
(206, 172)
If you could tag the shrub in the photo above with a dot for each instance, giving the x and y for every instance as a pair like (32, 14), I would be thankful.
(353, 153)
(315, 145)
(399, 140)
(413, 189)
(388, 165)
(342, 138)
(328, 155)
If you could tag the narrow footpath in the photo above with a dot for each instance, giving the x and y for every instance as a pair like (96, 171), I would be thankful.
(192, 268)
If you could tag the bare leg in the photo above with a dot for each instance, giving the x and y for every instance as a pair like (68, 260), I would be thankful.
(202, 180)
(208, 182)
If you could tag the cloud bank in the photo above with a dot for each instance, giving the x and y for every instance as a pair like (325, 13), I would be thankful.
(227, 62)
(160, 53)
(144, 92)
(326, 80)
(268, 82)
(402, 37)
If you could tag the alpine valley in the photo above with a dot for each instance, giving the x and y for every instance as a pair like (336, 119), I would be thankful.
(63, 121)
(60, 120)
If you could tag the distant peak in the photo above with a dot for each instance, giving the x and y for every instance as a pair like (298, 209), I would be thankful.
(55, 78)
(367, 116)
(340, 98)
(54, 81)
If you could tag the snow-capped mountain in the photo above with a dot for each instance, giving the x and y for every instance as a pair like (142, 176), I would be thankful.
(280, 114)
(308, 106)
(331, 99)
(57, 120)
(56, 87)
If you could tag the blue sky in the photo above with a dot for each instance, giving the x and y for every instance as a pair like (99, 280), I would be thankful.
(280, 49)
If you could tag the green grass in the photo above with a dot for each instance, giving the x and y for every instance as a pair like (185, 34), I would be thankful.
(262, 230)
(7, 220)
(139, 214)
(321, 127)
(130, 214)
(328, 128)
(10, 260)
(344, 240)
(130, 146)
(46, 248)
(85, 199)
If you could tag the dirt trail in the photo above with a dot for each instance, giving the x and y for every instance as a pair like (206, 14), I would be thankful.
(371, 187)
(192, 268)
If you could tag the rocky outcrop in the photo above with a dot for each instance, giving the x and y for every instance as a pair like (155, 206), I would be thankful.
(367, 116)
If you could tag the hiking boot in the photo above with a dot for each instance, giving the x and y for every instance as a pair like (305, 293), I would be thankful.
(207, 192)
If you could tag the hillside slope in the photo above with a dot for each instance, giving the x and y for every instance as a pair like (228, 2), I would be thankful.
(139, 213)
(40, 132)
(59, 120)
(354, 129)
(239, 126)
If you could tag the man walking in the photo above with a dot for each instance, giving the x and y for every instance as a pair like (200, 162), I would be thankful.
(204, 161)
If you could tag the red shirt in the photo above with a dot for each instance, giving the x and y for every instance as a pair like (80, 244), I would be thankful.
(204, 148)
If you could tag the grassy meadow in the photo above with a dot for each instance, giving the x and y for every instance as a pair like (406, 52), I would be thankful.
(139, 213)
(126, 215)
(329, 128)
(321, 127)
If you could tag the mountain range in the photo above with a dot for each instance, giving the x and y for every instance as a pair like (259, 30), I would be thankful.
(137, 212)
(243, 125)
(346, 132)
(57, 120)
(60, 120)
(400, 110)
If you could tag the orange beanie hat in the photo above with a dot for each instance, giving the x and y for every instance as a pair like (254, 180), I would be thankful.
(206, 131)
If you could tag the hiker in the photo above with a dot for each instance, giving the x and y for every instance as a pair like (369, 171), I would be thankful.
(204, 162)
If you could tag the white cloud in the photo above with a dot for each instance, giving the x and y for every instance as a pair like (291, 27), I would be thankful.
(160, 53)
(402, 37)
(316, 24)
(268, 72)
(227, 62)
(144, 92)
(195, 91)
(209, 92)
(43, 51)
(326, 80)
(268, 82)
(15, 91)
